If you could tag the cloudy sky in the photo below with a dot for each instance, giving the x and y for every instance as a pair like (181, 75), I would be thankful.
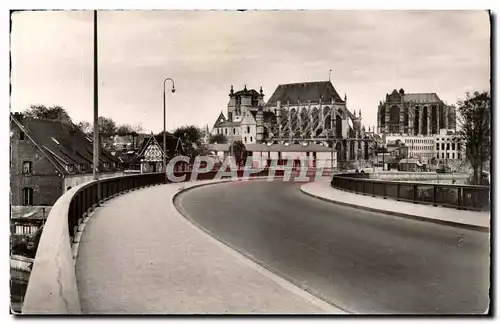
(370, 53)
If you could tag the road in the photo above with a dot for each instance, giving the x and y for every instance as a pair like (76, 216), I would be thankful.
(360, 261)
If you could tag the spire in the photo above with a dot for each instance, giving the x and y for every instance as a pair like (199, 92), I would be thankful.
(369, 128)
(231, 92)
(345, 97)
(329, 75)
(360, 113)
(355, 113)
(261, 92)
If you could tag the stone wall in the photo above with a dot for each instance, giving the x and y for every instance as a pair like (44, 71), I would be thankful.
(77, 179)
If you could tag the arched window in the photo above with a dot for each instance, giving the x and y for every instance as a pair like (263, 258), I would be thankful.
(27, 167)
(245, 139)
(251, 139)
(248, 129)
(28, 196)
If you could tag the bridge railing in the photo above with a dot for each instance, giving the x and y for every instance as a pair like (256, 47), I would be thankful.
(465, 197)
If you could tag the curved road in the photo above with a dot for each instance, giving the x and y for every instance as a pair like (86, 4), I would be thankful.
(361, 261)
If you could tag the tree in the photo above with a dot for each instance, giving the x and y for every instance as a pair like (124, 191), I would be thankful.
(239, 151)
(86, 128)
(190, 137)
(52, 113)
(107, 129)
(475, 128)
(124, 130)
(218, 139)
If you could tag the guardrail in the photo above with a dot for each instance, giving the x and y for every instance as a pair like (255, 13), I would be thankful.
(52, 286)
(465, 197)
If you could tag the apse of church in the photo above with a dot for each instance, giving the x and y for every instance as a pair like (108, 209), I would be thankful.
(414, 114)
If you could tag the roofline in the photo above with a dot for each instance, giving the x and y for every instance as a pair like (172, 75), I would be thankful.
(38, 146)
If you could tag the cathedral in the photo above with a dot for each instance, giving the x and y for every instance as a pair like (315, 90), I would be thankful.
(414, 114)
(299, 113)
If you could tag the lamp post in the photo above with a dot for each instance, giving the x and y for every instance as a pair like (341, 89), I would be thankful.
(96, 150)
(165, 125)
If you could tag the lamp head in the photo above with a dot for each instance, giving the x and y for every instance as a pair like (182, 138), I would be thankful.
(173, 90)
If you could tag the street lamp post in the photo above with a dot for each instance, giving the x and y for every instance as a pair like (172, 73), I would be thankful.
(165, 125)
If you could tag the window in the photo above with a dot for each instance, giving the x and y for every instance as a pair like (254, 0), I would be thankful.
(21, 136)
(234, 131)
(248, 129)
(442, 155)
(453, 155)
(453, 146)
(458, 156)
(245, 139)
(225, 130)
(437, 146)
(251, 139)
(458, 147)
(437, 155)
(447, 146)
(447, 155)
(28, 196)
(27, 167)
(71, 167)
(106, 165)
(442, 146)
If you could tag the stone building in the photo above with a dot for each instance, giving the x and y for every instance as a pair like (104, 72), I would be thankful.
(47, 157)
(244, 111)
(299, 113)
(414, 114)
(315, 112)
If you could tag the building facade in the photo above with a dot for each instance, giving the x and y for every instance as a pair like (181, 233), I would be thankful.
(449, 146)
(414, 114)
(421, 147)
(43, 154)
(299, 113)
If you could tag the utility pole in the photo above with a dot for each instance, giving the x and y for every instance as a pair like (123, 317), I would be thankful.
(96, 113)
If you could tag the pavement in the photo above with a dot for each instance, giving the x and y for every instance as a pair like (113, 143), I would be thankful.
(357, 260)
(138, 255)
(447, 216)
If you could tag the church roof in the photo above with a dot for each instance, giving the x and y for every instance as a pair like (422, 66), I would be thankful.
(268, 115)
(421, 97)
(246, 92)
(305, 91)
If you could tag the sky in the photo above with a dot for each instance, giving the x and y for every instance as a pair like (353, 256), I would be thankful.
(370, 53)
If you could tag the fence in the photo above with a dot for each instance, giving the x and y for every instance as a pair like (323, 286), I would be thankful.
(447, 195)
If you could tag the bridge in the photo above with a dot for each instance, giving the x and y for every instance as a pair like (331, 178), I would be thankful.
(218, 246)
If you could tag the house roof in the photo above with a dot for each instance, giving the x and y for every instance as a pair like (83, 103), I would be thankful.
(64, 143)
(305, 91)
(421, 97)
(311, 147)
(173, 145)
(220, 120)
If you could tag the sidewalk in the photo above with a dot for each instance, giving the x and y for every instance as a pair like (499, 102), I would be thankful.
(447, 216)
(139, 255)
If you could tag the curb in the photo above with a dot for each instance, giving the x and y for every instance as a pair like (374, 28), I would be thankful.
(398, 214)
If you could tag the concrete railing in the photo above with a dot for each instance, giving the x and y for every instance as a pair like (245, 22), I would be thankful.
(52, 287)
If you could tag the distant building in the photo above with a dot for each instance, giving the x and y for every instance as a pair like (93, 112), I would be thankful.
(150, 153)
(414, 114)
(449, 146)
(242, 115)
(47, 156)
(421, 147)
(298, 113)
